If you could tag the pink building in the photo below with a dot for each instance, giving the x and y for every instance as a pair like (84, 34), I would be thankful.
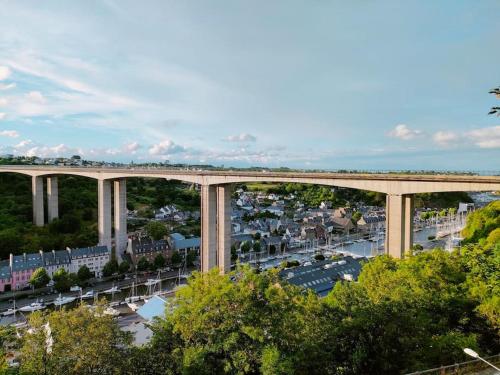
(22, 266)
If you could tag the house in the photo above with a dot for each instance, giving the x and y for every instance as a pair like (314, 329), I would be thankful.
(22, 266)
(342, 224)
(53, 260)
(369, 221)
(322, 276)
(139, 247)
(238, 239)
(94, 258)
(5, 276)
(182, 244)
(273, 242)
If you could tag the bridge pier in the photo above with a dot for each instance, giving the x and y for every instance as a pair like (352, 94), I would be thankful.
(120, 217)
(37, 193)
(399, 224)
(104, 212)
(52, 198)
(216, 227)
(224, 228)
(208, 251)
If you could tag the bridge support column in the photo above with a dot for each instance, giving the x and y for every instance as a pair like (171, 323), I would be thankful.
(37, 193)
(399, 224)
(52, 198)
(208, 253)
(224, 228)
(104, 212)
(120, 218)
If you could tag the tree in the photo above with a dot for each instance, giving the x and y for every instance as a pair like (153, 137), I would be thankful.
(39, 278)
(246, 323)
(156, 230)
(143, 264)
(245, 246)
(190, 258)
(256, 246)
(319, 257)
(176, 258)
(124, 267)
(84, 273)
(84, 342)
(159, 261)
(272, 249)
(110, 268)
(63, 280)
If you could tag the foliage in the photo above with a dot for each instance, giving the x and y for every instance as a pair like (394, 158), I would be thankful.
(143, 264)
(159, 261)
(84, 273)
(124, 267)
(176, 258)
(156, 230)
(39, 278)
(246, 246)
(242, 326)
(110, 268)
(319, 257)
(84, 343)
(256, 246)
(63, 280)
(481, 222)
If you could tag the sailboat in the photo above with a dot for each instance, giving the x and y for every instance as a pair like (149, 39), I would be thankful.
(59, 301)
(88, 295)
(10, 311)
(112, 290)
(132, 299)
(35, 306)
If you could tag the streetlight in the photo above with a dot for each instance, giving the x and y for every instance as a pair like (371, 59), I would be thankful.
(473, 354)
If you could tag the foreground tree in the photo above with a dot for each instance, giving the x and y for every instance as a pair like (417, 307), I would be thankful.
(246, 323)
(78, 341)
(39, 278)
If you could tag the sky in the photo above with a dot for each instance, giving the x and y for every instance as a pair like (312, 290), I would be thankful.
(372, 85)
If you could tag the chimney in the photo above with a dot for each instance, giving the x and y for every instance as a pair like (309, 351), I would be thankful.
(11, 260)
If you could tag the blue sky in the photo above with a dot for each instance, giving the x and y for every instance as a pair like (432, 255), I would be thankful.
(309, 84)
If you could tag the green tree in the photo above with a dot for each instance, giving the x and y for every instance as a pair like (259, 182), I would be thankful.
(159, 261)
(246, 246)
(156, 230)
(84, 274)
(256, 246)
(63, 280)
(124, 267)
(84, 342)
(176, 258)
(246, 323)
(39, 278)
(110, 268)
(143, 264)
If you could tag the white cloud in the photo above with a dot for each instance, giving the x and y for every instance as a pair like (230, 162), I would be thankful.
(445, 138)
(402, 131)
(7, 86)
(131, 147)
(3, 102)
(243, 137)
(9, 133)
(4, 72)
(486, 137)
(23, 144)
(166, 147)
(36, 97)
(2, 115)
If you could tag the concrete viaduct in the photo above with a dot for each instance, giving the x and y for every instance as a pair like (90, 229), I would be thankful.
(216, 199)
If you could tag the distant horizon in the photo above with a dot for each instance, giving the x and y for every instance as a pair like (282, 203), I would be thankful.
(483, 172)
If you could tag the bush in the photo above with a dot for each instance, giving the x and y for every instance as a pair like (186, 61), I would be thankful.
(39, 278)
(84, 273)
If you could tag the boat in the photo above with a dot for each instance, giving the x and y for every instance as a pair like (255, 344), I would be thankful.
(112, 290)
(88, 295)
(59, 301)
(132, 299)
(35, 306)
(9, 312)
(111, 311)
